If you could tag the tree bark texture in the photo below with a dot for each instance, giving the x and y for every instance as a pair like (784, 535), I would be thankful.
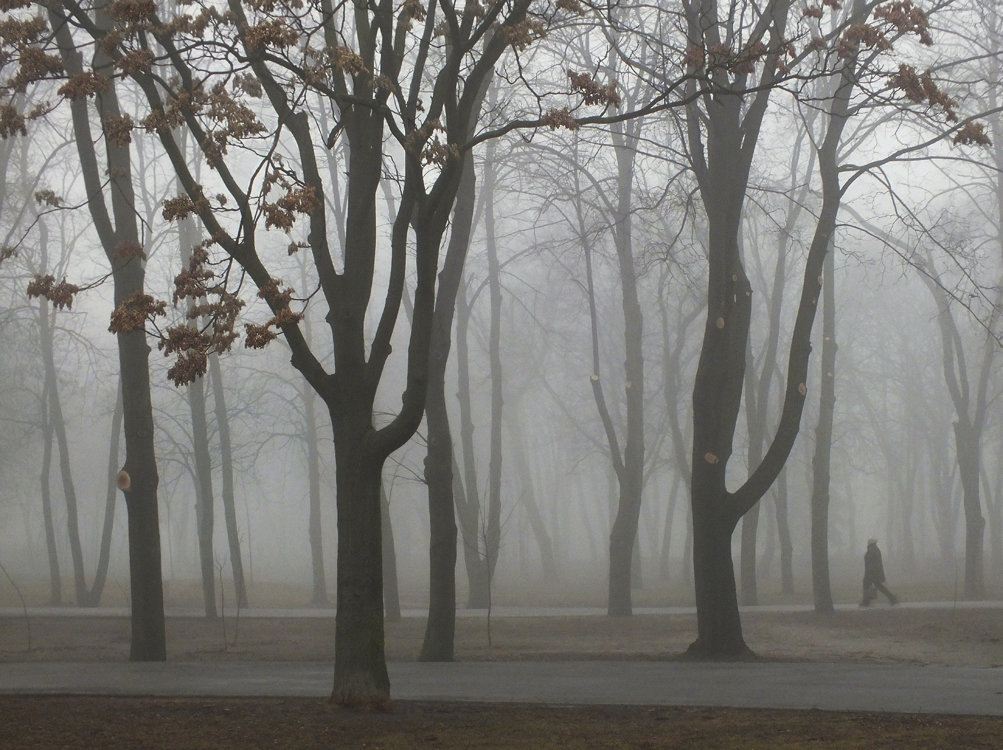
(360, 671)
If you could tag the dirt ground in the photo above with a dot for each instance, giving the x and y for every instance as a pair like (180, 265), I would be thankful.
(961, 637)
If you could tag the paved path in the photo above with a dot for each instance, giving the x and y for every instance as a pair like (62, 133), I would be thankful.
(837, 687)
(955, 690)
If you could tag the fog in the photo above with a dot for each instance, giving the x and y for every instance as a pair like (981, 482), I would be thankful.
(617, 238)
(893, 476)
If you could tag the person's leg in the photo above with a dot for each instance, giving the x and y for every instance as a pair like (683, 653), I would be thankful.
(892, 599)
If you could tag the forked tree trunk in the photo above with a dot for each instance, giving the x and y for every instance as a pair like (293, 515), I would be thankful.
(440, 627)
(57, 424)
(65, 471)
(719, 624)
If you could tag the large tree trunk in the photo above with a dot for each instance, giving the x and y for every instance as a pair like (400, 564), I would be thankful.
(140, 471)
(732, 130)
(360, 671)
(717, 395)
(719, 625)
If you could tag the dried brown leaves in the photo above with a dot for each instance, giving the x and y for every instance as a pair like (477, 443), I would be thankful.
(282, 213)
(132, 314)
(258, 336)
(593, 92)
(59, 293)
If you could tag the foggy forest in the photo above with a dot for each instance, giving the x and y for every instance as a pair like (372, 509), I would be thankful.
(421, 307)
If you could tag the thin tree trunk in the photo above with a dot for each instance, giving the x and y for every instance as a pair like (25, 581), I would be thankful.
(664, 559)
(46, 326)
(55, 578)
(528, 499)
(226, 473)
(968, 449)
(470, 511)
(204, 511)
(315, 529)
(120, 239)
(104, 552)
(391, 588)
(492, 536)
(623, 537)
(784, 535)
(821, 587)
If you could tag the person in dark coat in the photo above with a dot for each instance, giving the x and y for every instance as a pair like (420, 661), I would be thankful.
(874, 576)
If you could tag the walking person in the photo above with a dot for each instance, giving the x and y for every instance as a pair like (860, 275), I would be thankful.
(874, 576)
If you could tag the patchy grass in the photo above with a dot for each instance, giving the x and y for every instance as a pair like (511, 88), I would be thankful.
(900, 635)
